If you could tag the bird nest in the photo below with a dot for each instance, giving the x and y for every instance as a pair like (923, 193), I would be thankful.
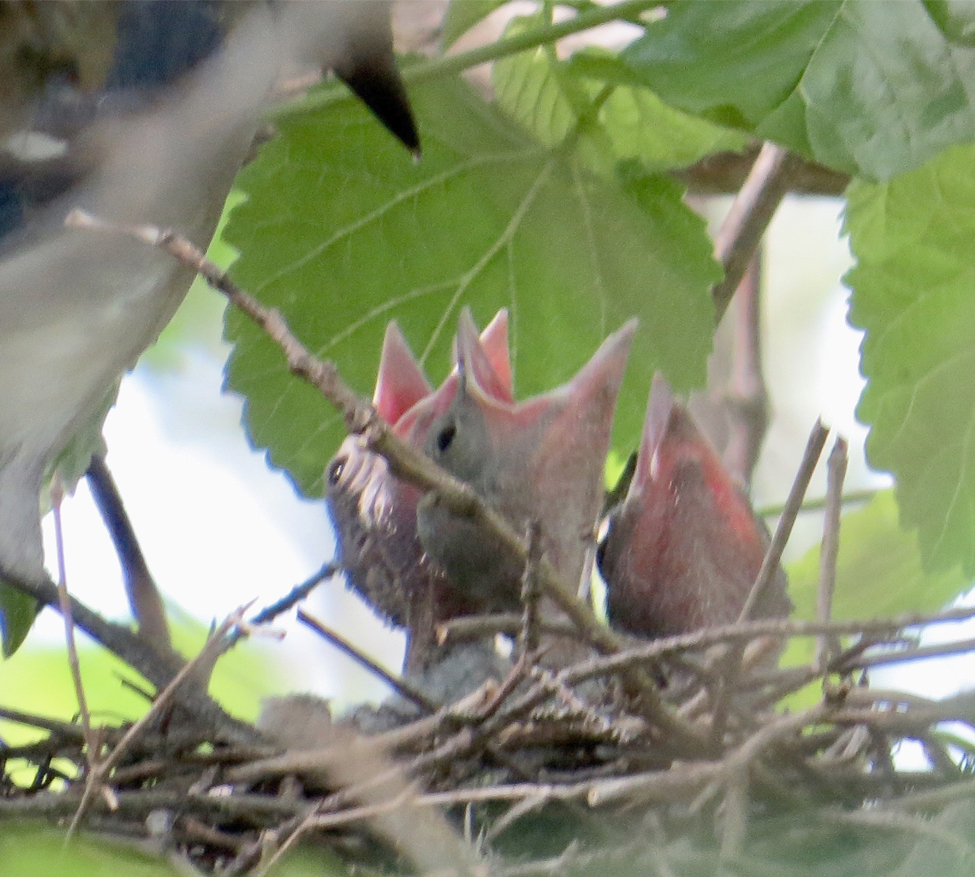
(682, 755)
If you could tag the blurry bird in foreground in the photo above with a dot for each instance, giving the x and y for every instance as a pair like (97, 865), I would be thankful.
(140, 112)
(684, 548)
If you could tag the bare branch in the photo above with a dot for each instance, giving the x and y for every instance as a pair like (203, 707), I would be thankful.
(749, 216)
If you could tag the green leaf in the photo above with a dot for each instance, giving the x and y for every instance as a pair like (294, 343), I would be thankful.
(914, 240)
(873, 89)
(342, 232)
(462, 15)
(33, 852)
(879, 570)
(641, 126)
(17, 614)
(878, 574)
(534, 90)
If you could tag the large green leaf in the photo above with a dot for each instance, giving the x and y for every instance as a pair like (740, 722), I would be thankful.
(870, 88)
(342, 232)
(914, 240)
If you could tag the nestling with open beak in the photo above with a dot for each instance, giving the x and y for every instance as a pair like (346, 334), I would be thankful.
(375, 513)
(540, 460)
(684, 547)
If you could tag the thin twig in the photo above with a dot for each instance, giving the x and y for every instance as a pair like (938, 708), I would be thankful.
(817, 504)
(400, 686)
(91, 744)
(296, 594)
(747, 399)
(159, 669)
(827, 646)
(528, 638)
(935, 650)
(57, 495)
(66, 730)
(468, 627)
(814, 447)
(288, 601)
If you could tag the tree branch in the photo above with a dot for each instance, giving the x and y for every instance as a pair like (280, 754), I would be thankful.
(144, 598)
(749, 216)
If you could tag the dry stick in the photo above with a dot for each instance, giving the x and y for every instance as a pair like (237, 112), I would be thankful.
(477, 626)
(515, 812)
(749, 216)
(91, 744)
(610, 665)
(528, 637)
(468, 627)
(731, 659)
(293, 597)
(296, 594)
(827, 646)
(739, 760)
(57, 495)
(401, 686)
(937, 753)
(814, 447)
(408, 463)
(145, 600)
(938, 650)
(852, 497)
(460, 744)
(68, 730)
(101, 769)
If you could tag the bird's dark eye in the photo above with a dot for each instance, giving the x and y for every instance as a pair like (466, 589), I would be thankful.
(446, 436)
(334, 472)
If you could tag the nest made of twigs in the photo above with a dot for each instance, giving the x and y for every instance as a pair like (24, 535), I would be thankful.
(552, 771)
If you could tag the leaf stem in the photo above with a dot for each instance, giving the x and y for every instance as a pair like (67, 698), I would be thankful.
(445, 65)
